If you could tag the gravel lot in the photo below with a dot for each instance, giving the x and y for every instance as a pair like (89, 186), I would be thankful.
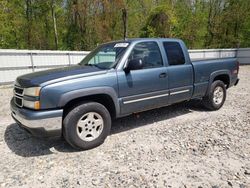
(176, 146)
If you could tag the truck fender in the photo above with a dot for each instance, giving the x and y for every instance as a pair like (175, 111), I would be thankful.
(217, 73)
(67, 97)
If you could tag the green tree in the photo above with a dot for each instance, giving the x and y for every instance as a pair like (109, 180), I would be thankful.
(11, 25)
(160, 22)
(82, 24)
(191, 22)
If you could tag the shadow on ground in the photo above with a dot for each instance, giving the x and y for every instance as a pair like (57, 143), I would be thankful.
(25, 145)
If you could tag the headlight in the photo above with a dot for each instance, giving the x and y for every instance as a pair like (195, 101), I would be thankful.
(32, 91)
(32, 104)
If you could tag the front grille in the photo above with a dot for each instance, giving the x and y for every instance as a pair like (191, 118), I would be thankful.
(18, 101)
(18, 96)
(18, 90)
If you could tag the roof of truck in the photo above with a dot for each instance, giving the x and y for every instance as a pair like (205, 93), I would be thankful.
(131, 40)
(146, 39)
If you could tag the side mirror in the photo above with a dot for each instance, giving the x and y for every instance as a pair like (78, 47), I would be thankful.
(134, 64)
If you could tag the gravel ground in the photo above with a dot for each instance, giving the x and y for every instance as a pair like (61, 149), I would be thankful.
(176, 146)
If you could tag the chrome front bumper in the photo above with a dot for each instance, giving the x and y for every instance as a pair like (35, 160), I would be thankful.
(39, 123)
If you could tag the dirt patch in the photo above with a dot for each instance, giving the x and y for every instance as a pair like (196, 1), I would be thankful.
(176, 146)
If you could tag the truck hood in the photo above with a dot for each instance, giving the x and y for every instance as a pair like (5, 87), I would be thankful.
(40, 77)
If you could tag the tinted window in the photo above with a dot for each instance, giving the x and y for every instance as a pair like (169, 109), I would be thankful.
(149, 53)
(174, 53)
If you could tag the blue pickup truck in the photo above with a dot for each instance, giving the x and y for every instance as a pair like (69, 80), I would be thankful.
(114, 80)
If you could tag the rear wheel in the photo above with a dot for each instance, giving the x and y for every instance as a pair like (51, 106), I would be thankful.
(216, 96)
(87, 125)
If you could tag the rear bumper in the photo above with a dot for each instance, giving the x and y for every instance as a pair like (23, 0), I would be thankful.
(234, 81)
(237, 81)
(39, 123)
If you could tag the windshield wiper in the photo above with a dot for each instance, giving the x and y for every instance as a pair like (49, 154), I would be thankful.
(95, 65)
(92, 65)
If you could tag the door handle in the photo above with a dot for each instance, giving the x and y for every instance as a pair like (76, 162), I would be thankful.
(163, 75)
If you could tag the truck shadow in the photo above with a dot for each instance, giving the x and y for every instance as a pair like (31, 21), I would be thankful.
(152, 116)
(25, 145)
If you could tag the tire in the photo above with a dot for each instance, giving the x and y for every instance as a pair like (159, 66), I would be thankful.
(216, 96)
(87, 125)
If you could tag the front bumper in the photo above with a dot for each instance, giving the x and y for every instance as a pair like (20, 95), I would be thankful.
(42, 123)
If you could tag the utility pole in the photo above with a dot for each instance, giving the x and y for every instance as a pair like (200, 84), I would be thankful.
(125, 22)
(54, 23)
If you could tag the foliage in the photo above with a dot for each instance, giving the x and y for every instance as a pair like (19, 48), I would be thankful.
(82, 24)
(160, 22)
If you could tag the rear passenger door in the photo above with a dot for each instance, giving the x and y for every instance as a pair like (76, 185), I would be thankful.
(180, 73)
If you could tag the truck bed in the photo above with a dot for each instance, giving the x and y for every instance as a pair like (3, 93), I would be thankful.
(205, 69)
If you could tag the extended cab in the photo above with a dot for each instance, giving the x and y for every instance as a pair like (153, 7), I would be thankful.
(115, 80)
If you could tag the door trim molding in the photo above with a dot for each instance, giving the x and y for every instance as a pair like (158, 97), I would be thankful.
(178, 92)
(155, 96)
(145, 98)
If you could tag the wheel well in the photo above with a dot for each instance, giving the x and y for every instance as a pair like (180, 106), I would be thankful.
(103, 99)
(224, 78)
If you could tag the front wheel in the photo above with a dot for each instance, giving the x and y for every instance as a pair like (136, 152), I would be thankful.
(87, 125)
(216, 96)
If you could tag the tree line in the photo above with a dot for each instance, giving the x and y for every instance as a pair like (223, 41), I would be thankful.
(83, 24)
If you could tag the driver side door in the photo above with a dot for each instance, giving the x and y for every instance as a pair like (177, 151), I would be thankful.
(147, 87)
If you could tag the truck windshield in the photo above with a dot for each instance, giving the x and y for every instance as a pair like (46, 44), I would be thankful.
(105, 56)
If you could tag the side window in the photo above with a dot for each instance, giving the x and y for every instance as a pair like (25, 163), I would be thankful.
(149, 53)
(174, 53)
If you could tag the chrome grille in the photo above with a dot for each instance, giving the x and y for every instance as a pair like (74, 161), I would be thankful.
(18, 96)
(18, 90)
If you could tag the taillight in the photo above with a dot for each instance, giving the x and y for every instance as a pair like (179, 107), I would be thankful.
(238, 67)
(236, 71)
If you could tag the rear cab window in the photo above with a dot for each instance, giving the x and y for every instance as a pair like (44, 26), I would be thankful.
(174, 53)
